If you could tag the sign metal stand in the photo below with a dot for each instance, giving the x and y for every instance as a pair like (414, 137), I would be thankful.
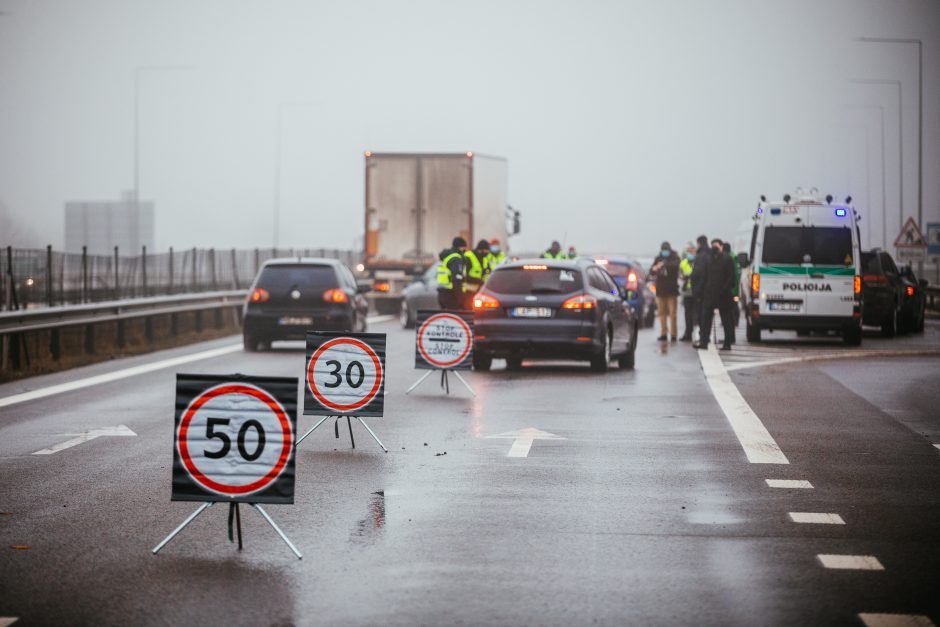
(445, 382)
(336, 430)
(444, 343)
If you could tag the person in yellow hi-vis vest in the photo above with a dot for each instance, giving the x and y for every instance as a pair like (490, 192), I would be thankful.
(450, 276)
(497, 254)
(475, 275)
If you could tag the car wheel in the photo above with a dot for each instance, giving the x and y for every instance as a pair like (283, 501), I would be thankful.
(853, 336)
(628, 359)
(404, 316)
(601, 361)
(753, 332)
(514, 362)
(482, 361)
(889, 328)
(250, 343)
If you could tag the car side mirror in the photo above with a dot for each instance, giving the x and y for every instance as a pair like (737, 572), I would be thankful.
(363, 286)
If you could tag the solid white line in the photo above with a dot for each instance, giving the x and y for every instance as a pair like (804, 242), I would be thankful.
(896, 620)
(757, 442)
(938, 446)
(789, 483)
(520, 448)
(851, 562)
(816, 518)
(7, 620)
(382, 318)
(117, 375)
(120, 430)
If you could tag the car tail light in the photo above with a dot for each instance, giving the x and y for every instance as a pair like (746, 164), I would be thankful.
(579, 302)
(381, 286)
(874, 279)
(631, 277)
(335, 295)
(653, 288)
(858, 285)
(755, 284)
(535, 267)
(910, 290)
(484, 301)
(258, 295)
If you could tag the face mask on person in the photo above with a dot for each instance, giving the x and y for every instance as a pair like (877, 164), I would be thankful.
(494, 250)
(665, 253)
(690, 256)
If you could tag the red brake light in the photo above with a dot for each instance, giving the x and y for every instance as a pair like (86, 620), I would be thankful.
(381, 286)
(910, 290)
(484, 301)
(535, 267)
(631, 277)
(335, 295)
(581, 301)
(259, 295)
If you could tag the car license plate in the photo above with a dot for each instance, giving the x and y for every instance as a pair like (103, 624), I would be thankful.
(785, 306)
(531, 312)
(293, 321)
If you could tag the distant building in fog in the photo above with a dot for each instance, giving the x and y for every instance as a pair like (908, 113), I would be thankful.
(102, 225)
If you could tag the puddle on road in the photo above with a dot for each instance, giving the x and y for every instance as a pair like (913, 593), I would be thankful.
(369, 529)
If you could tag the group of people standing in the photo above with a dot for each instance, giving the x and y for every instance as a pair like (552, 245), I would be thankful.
(709, 280)
(462, 271)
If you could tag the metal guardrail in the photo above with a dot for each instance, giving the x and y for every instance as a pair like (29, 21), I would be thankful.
(43, 318)
(933, 297)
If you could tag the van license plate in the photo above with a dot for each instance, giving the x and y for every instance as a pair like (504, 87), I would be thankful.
(784, 306)
(531, 312)
(294, 321)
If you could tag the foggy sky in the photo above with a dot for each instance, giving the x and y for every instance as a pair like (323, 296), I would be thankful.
(624, 123)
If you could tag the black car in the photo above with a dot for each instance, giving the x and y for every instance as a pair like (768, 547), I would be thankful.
(882, 292)
(913, 301)
(292, 296)
(553, 309)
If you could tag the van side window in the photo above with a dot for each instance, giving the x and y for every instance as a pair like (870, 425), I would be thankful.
(753, 241)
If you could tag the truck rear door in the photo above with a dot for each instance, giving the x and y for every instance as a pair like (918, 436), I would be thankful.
(391, 210)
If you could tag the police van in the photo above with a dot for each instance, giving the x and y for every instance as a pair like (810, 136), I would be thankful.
(802, 269)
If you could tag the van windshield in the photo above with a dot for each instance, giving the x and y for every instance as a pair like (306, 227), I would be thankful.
(817, 245)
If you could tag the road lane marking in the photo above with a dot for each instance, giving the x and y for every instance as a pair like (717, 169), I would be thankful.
(757, 442)
(120, 430)
(117, 375)
(789, 483)
(848, 354)
(896, 620)
(7, 620)
(816, 518)
(523, 438)
(938, 446)
(851, 562)
(382, 318)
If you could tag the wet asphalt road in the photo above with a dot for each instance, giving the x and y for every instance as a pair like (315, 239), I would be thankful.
(643, 510)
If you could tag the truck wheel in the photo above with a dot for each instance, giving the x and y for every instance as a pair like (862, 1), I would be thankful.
(753, 333)
(853, 336)
(889, 328)
(482, 361)
(404, 316)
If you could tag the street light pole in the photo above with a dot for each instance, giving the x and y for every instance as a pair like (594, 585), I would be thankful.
(884, 202)
(277, 161)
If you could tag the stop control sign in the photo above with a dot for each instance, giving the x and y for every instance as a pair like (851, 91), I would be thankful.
(234, 439)
(444, 340)
(345, 374)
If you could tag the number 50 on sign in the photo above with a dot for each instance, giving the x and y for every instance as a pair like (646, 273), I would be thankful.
(345, 374)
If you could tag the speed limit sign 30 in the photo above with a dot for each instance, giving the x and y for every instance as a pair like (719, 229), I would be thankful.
(345, 374)
(234, 439)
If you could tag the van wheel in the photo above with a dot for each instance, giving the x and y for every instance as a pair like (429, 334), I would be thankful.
(482, 361)
(853, 336)
(753, 333)
(889, 328)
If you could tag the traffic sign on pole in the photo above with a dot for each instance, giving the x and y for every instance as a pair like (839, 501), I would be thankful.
(910, 243)
(933, 239)
(345, 374)
(444, 340)
(234, 439)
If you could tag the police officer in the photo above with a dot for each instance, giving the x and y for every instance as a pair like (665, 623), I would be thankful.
(497, 256)
(716, 294)
(450, 276)
(572, 253)
(688, 301)
(475, 270)
(554, 251)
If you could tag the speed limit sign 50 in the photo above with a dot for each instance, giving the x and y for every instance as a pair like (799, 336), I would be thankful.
(234, 439)
(345, 374)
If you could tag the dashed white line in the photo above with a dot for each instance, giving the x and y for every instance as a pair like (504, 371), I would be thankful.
(758, 444)
(938, 446)
(7, 620)
(789, 483)
(816, 518)
(896, 620)
(117, 375)
(850, 562)
(120, 430)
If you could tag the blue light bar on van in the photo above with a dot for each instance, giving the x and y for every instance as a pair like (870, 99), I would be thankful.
(775, 211)
(840, 213)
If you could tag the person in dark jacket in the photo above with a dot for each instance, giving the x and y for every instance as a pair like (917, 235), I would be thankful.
(451, 276)
(717, 294)
(699, 272)
(665, 271)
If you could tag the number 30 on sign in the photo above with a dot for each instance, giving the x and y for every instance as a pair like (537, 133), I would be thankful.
(345, 374)
(234, 439)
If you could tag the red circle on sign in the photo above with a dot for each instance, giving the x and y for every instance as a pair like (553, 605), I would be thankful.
(222, 390)
(430, 359)
(365, 400)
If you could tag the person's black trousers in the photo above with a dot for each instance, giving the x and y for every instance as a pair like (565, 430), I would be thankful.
(690, 307)
(725, 308)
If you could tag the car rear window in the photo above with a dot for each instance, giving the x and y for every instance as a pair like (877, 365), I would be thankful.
(818, 245)
(618, 269)
(870, 264)
(548, 281)
(295, 275)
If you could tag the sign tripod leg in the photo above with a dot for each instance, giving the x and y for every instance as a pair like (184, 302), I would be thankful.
(322, 420)
(182, 526)
(351, 438)
(445, 382)
(278, 530)
(464, 381)
(372, 433)
(419, 381)
(234, 516)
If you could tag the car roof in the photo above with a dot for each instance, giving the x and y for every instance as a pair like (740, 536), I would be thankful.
(302, 261)
(563, 264)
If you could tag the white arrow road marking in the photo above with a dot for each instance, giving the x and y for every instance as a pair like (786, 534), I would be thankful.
(850, 562)
(896, 620)
(816, 518)
(799, 484)
(523, 439)
(85, 437)
(7, 620)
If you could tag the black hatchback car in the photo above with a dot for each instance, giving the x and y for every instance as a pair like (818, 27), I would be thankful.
(292, 296)
(883, 292)
(553, 309)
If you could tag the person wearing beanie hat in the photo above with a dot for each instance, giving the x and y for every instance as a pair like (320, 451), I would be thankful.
(450, 276)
